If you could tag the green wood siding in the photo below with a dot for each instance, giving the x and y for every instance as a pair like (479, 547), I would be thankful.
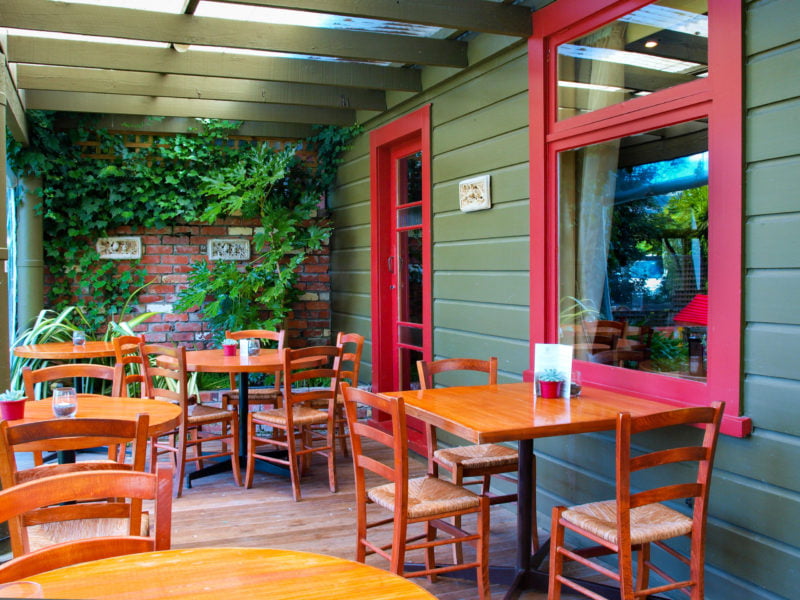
(481, 304)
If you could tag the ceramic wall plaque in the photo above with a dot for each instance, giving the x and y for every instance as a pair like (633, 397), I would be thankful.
(475, 194)
(120, 248)
(229, 249)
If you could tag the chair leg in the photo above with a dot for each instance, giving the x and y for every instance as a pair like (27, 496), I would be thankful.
(458, 549)
(482, 574)
(294, 467)
(556, 559)
(333, 485)
(430, 552)
(234, 431)
(179, 472)
(642, 570)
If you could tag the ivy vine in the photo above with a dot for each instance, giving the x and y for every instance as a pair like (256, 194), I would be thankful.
(165, 184)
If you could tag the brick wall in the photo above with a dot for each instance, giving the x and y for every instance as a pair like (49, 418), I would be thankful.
(167, 255)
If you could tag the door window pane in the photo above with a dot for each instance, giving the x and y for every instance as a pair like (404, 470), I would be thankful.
(633, 263)
(656, 47)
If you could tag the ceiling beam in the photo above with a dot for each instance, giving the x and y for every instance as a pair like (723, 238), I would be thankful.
(14, 106)
(467, 15)
(126, 23)
(185, 107)
(74, 79)
(44, 51)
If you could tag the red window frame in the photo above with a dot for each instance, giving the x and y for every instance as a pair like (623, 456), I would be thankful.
(717, 97)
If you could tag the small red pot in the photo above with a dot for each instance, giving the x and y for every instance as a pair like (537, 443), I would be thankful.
(550, 389)
(13, 410)
(229, 350)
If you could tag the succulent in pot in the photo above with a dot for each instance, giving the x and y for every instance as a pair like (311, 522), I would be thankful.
(229, 347)
(12, 405)
(550, 383)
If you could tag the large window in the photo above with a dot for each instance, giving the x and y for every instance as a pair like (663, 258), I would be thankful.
(636, 195)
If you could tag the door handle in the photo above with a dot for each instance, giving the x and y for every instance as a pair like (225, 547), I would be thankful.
(390, 264)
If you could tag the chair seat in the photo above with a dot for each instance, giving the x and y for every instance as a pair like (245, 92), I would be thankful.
(648, 523)
(302, 415)
(203, 413)
(427, 496)
(477, 456)
(47, 534)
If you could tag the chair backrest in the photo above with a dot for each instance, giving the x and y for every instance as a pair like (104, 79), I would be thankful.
(165, 374)
(702, 455)
(352, 346)
(301, 379)
(395, 468)
(102, 373)
(428, 369)
(279, 337)
(126, 351)
(67, 434)
(57, 494)
(604, 332)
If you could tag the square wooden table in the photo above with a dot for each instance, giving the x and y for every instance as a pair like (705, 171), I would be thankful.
(510, 412)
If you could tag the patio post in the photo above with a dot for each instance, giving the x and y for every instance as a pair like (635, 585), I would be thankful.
(30, 254)
(4, 333)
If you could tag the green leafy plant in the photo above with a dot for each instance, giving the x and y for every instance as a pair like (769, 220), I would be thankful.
(551, 375)
(283, 191)
(229, 342)
(12, 396)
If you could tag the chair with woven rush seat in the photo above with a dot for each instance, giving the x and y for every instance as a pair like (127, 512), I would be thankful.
(425, 500)
(481, 461)
(256, 396)
(297, 417)
(165, 365)
(56, 495)
(26, 532)
(352, 346)
(635, 520)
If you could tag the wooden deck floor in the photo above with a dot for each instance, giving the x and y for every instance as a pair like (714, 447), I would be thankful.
(217, 513)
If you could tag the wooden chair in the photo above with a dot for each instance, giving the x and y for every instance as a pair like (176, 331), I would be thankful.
(481, 461)
(35, 380)
(56, 496)
(126, 351)
(166, 379)
(427, 500)
(637, 519)
(27, 532)
(256, 396)
(297, 416)
(109, 378)
(352, 345)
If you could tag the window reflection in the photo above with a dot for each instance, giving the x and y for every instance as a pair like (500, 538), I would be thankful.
(656, 47)
(634, 250)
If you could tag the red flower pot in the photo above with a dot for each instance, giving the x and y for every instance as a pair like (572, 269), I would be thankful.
(13, 410)
(229, 350)
(550, 389)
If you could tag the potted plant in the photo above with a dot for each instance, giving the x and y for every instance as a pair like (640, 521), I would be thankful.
(229, 347)
(12, 405)
(550, 383)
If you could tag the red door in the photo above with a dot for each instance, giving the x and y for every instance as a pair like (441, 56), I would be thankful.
(401, 295)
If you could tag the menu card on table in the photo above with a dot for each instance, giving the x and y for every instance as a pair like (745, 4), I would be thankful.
(553, 362)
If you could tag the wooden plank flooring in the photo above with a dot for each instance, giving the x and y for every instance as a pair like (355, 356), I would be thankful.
(217, 513)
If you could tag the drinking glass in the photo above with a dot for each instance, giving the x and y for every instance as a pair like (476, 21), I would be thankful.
(576, 384)
(254, 348)
(78, 338)
(65, 402)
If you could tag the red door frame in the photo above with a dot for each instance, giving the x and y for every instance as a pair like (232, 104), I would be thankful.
(400, 132)
(719, 97)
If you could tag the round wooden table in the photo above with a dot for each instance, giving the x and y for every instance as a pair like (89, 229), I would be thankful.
(65, 351)
(164, 416)
(230, 573)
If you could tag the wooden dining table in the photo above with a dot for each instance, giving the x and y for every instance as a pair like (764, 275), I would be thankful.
(164, 416)
(510, 412)
(229, 573)
(65, 350)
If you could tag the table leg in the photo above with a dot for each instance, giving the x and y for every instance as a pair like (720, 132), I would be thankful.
(244, 410)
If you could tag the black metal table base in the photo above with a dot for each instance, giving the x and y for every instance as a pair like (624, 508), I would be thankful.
(224, 465)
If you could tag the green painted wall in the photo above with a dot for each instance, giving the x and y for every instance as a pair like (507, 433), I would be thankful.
(481, 297)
